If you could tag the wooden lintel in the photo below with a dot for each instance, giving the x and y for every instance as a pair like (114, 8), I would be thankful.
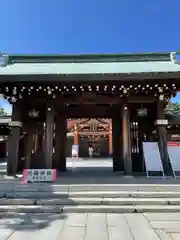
(91, 99)
(93, 133)
(141, 99)
(88, 111)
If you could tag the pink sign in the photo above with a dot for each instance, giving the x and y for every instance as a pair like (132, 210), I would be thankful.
(174, 144)
(38, 175)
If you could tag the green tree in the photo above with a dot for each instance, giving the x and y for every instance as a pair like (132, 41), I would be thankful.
(2, 112)
(173, 109)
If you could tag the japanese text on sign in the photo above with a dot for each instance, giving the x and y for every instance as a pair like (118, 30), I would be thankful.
(39, 175)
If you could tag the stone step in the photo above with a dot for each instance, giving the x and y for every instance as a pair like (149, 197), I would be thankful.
(92, 201)
(90, 194)
(87, 209)
(110, 201)
(49, 187)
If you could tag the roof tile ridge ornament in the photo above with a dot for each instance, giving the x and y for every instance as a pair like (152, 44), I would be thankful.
(4, 59)
(173, 57)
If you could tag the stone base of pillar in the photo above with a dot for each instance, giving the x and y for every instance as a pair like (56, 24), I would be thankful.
(128, 176)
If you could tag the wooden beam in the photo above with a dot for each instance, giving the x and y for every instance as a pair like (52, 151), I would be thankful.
(92, 98)
(93, 133)
(110, 142)
(75, 135)
(141, 99)
(88, 111)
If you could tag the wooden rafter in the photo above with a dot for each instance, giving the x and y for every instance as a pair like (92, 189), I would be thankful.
(73, 122)
(83, 126)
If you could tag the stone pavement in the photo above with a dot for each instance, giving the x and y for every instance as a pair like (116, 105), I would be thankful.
(91, 226)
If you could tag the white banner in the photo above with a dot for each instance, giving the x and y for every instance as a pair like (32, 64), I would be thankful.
(152, 157)
(39, 175)
(174, 155)
(75, 150)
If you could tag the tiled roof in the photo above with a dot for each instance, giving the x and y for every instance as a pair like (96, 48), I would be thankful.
(88, 64)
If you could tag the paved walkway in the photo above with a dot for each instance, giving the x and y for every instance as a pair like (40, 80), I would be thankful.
(91, 227)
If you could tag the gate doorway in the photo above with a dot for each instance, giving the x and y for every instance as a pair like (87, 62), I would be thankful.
(94, 133)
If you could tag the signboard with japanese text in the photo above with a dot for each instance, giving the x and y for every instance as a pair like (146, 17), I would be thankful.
(39, 175)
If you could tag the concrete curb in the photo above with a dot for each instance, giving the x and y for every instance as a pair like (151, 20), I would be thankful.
(92, 201)
(97, 194)
(9, 202)
(88, 209)
(48, 187)
(120, 209)
(110, 201)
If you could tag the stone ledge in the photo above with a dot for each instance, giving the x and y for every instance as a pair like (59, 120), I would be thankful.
(70, 201)
(92, 201)
(5, 201)
(88, 209)
(109, 201)
(86, 194)
(35, 195)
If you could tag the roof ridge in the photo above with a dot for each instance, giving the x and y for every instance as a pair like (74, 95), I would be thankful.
(73, 58)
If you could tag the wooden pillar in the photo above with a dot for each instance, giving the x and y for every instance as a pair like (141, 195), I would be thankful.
(13, 140)
(110, 140)
(35, 143)
(161, 124)
(118, 164)
(20, 163)
(49, 136)
(39, 144)
(126, 140)
(28, 145)
(75, 135)
(37, 160)
(6, 148)
(60, 143)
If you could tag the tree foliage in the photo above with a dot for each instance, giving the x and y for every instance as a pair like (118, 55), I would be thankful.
(173, 109)
(3, 112)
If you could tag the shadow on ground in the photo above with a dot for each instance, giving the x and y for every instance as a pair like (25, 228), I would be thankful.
(30, 222)
(28, 219)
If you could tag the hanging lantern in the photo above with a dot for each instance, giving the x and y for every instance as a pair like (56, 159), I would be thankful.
(13, 99)
(142, 112)
(33, 113)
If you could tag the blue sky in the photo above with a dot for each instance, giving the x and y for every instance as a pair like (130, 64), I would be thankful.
(89, 26)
